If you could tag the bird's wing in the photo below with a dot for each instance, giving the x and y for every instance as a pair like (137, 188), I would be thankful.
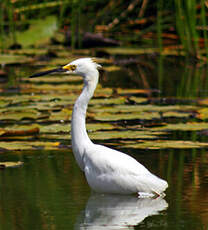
(119, 169)
(110, 160)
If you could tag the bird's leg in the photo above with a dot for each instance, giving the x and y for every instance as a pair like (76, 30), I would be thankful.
(147, 195)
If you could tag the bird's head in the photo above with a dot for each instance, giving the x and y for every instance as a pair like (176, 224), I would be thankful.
(81, 66)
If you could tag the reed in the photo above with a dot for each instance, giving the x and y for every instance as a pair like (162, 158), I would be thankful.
(120, 20)
(180, 25)
(186, 25)
(79, 20)
(160, 45)
(62, 11)
(2, 33)
(160, 72)
(12, 24)
(204, 24)
(191, 7)
(73, 23)
(159, 24)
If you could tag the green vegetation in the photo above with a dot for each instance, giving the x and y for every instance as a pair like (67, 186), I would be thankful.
(178, 25)
(42, 120)
(151, 103)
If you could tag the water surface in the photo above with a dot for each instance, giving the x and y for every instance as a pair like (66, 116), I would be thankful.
(50, 192)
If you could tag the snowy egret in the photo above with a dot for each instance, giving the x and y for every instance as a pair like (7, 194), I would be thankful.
(106, 170)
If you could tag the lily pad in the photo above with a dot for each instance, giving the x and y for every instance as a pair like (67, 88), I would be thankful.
(63, 128)
(26, 145)
(133, 91)
(105, 116)
(18, 132)
(203, 101)
(138, 51)
(127, 134)
(202, 113)
(63, 115)
(190, 126)
(165, 144)
(49, 88)
(129, 51)
(112, 68)
(93, 127)
(107, 101)
(138, 100)
(179, 114)
(55, 128)
(13, 59)
(9, 164)
(20, 115)
(3, 103)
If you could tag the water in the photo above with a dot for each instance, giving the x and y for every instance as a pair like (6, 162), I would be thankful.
(50, 192)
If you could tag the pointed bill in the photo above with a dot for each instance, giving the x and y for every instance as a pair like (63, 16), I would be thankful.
(48, 72)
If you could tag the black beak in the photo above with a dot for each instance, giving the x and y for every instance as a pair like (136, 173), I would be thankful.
(48, 72)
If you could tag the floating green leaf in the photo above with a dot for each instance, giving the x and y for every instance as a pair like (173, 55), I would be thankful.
(26, 145)
(202, 113)
(189, 126)
(8, 164)
(165, 144)
(63, 115)
(124, 134)
(18, 132)
(13, 59)
(19, 115)
(55, 128)
(105, 116)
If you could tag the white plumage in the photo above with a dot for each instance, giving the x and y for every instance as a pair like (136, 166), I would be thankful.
(111, 171)
(106, 170)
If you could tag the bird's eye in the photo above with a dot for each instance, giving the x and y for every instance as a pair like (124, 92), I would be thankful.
(73, 67)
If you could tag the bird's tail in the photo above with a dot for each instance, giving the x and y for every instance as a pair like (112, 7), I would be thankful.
(156, 185)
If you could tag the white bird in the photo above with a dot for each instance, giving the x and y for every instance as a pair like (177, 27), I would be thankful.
(106, 170)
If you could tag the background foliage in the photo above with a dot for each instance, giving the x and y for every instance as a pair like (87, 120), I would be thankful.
(175, 24)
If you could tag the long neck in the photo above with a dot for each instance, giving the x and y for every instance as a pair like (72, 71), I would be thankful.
(80, 139)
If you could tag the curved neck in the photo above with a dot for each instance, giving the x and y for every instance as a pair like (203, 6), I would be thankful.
(79, 134)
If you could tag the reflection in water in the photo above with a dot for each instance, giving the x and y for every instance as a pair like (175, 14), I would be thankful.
(50, 189)
(117, 211)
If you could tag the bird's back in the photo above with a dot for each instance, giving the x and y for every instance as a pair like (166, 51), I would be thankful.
(111, 171)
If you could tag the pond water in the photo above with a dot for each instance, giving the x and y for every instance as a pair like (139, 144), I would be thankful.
(163, 125)
(50, 192)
